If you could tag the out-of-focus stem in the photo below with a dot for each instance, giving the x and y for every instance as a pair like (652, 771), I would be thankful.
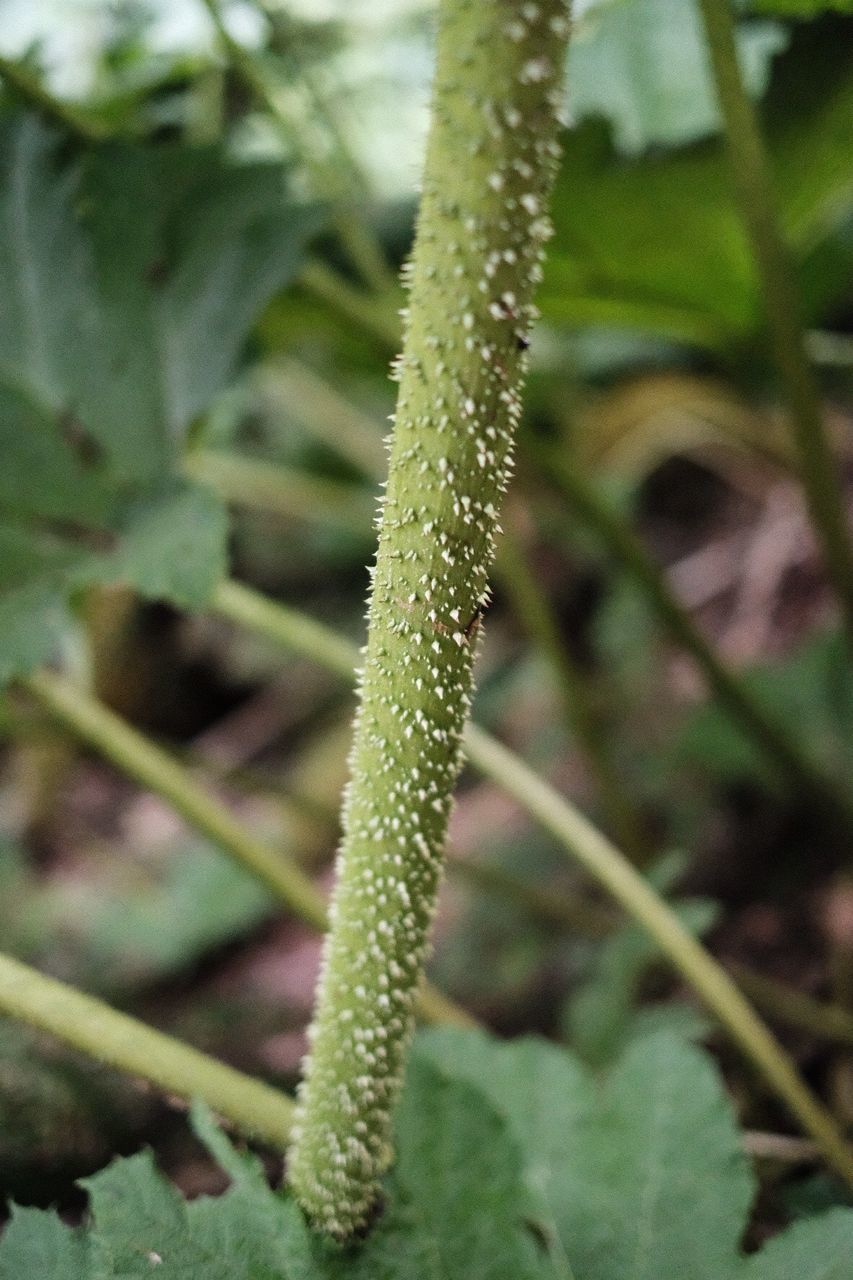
(754, 191)
(582, 714)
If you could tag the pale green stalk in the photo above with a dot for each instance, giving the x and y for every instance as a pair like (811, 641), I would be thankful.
(611, 869)
(117, 1040)
(284, 491)
(491, 159)
(754, 190)
(338, 176)
(156, 769)
(576, 693)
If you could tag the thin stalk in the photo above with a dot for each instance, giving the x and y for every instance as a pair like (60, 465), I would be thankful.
(362, 246)
(578, 700)
(796, 1009)
(119, 1041)
(611, 869)
(289, 628)
(707, 978)
(32, 91)
(775, 743)
(754, 190)
(556, 909)
(284, 491)
(159, 771)
(330, 417)
(359, 308)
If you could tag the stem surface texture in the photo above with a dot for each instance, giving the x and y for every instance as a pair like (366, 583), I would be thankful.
(491, 157)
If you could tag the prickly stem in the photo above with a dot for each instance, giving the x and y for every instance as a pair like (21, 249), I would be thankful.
(491, 157)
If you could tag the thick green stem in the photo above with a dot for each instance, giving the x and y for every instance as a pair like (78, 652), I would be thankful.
(491, 159)
(611, 869)
(754, 190)
(780, 749)
(120, 1041)
(149, 765)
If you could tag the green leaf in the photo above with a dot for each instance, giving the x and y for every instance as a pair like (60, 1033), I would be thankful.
(138, 924)
(637, 1177)
(642, 1181)
(187, 249)
(657, 244)
(455, 1211)
(819, 1249)
(37, 1245)
(601, 1013)
(809, 692)
(131, 279)
(171, 547)
(642, 64)
(457, 1200)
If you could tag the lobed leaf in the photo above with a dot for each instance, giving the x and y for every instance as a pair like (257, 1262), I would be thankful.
(131, 279)
(503, 1147)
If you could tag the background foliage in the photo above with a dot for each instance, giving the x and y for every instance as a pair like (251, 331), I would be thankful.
(200, 233)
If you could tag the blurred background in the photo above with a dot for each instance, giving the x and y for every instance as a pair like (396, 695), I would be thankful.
(204, 211)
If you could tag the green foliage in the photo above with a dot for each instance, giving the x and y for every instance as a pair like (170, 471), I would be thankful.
(455, 1210)
(800, 8)
(604, 1014)
(626, 232)
(128, 922)
(641, 64)
(810, 693)
(131, 278)
(640, 1177)
(514, 1162)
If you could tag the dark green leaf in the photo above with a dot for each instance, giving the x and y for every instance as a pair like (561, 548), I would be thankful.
(657, 244)
(130, 281)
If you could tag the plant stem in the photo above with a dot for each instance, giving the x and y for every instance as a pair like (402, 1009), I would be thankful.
(289, 628)
(710, 981)
(611, 869)
(491, 159)
(581, 712)
(32, 91)
(285, 491)
(777, 745)
(795, 1008)
(156, 769)
(123, 1042)
(339, 178)
(359, 308)
(754, 191)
